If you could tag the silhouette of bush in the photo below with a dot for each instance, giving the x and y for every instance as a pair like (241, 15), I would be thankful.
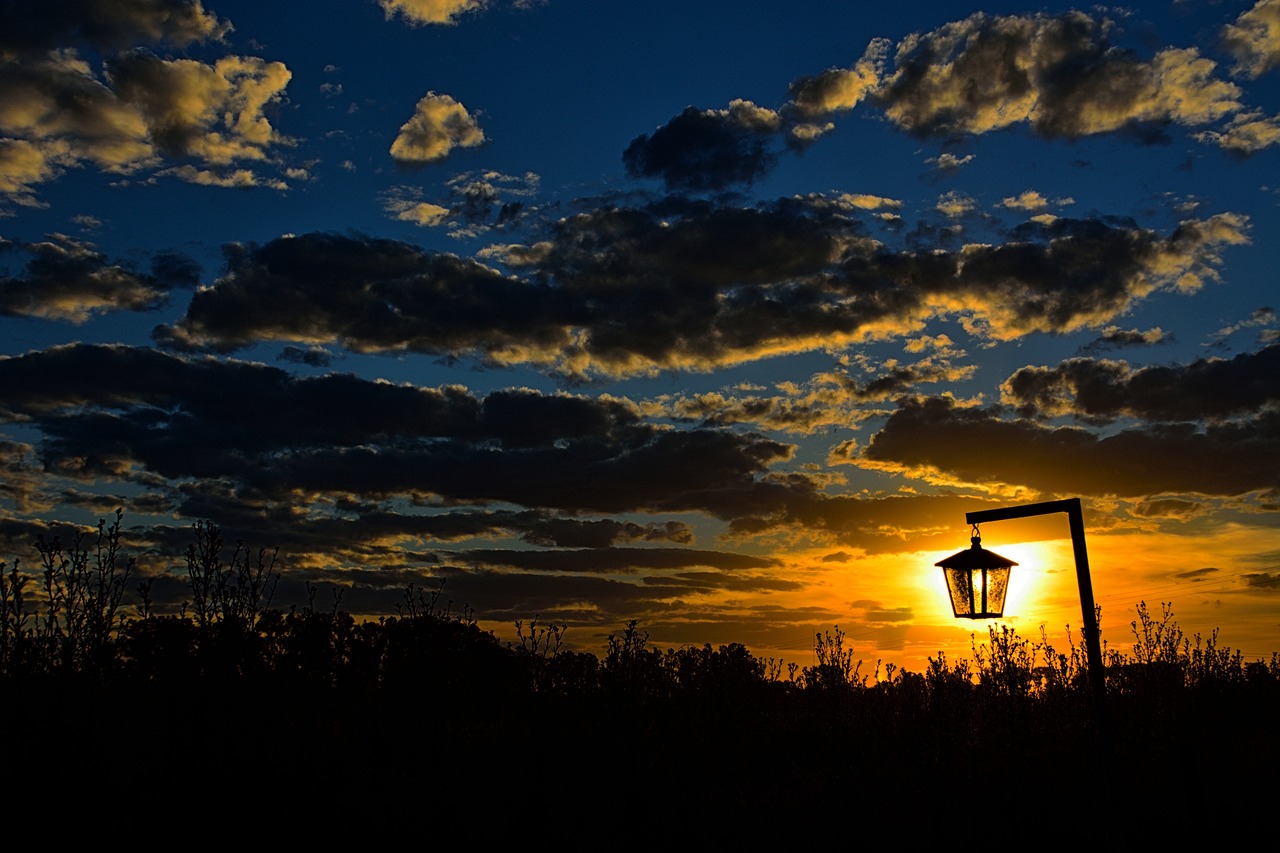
(426, 706)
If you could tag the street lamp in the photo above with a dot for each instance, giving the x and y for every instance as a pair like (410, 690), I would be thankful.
(977, 580)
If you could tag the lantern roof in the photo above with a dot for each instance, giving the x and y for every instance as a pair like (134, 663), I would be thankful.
(975, 557)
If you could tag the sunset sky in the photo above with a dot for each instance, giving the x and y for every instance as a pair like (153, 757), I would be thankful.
(718, 316)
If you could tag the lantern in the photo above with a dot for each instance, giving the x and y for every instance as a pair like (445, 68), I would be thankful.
(977, 580)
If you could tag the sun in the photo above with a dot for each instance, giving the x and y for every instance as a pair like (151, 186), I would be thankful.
(1042, 583)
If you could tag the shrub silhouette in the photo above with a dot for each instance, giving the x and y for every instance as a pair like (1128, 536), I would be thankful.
(234, 695)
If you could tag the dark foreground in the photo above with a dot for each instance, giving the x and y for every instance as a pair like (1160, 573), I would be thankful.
(427, 731)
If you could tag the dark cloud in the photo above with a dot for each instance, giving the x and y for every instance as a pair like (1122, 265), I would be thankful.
(16, 538)
(340, 471)
(64, 113)
(896, 614)
(1114, 338)
(1072, 273)
(310, 356)
(211, 112)
(367, 294)
(1210, 388)
(1059, 74)
(112, 411)
(20, 475)
(1169, 508)
(826, 400)
(698, 471)
(27, 27)
(680, 285)
(67, 279)
(702, 150)
(58, 112)
(977, 445)
(378, 538)
(477, 202)
(1198, 574)
(610, 560)
(1265, 581)
(604, 533)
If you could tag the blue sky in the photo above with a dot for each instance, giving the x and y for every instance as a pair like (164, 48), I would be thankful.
(718, 316)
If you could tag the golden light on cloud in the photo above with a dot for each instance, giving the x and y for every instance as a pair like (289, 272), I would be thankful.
(438, 125)
(420, 12)
(1255, 38)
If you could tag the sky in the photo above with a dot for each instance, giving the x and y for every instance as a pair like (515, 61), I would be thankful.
(715, 316)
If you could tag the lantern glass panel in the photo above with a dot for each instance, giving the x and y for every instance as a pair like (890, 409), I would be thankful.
(960, 588)
(997, 586)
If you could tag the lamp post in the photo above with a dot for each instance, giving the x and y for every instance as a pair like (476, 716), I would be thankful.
(977, 580)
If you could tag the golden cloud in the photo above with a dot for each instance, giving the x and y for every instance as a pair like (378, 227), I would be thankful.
(420, 12)
(439, 124)
(1254, 39)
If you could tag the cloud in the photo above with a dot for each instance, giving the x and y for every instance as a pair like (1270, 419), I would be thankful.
(422, 12)
(827, 400)
(476, 202)
(1246, 133)
(1113, 337)
(871, 202)
(418, 212)
(1254, 39)
(946, 443)
(707, 149)
(1089, 272)
(839, 89)
(1211, 388)
(947, 162)
(489, 198)
(1171, 508)
(1032, 200)
(103, 128)
(370, 295)
(214, 113)
(312, 356)
(621, 291)
(111, 24)
(67, 279)
(603, 533)
(615, 560)
(439, 125)
(1259, 317)
(24, 164)
(21, 479)
(955, 204)
(119, 413)
(145, 107)
(1058, 74)
(236, 178)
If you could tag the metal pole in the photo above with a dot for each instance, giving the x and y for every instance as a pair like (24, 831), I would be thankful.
(1090, 629)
